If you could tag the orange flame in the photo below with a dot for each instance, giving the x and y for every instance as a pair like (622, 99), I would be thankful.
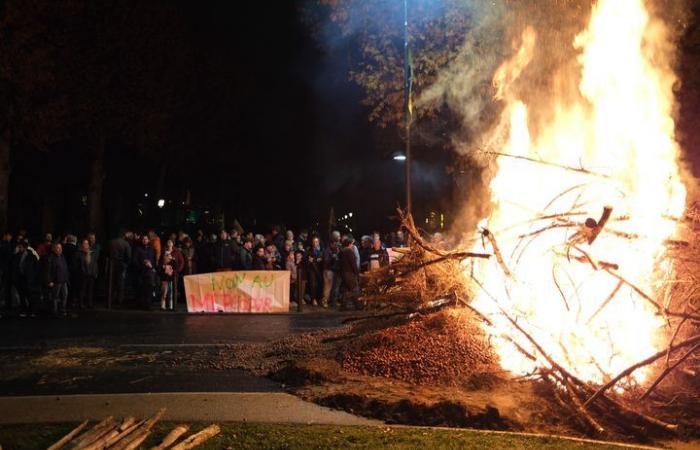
(619, 127)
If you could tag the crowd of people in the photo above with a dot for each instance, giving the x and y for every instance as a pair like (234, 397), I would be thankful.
(58, 274)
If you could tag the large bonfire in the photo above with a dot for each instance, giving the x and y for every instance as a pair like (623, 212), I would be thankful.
(585, 206)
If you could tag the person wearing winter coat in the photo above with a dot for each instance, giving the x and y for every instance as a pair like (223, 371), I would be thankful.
(86, 273)
(349, 271)
(223, 253)
(56, 278)
(314, 263)
(331, 273)
(378, 256)
(259, 260)
(144, 263)
(246, 255)
(25, 275)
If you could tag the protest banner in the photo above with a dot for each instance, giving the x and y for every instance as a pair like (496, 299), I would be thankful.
(253, 291)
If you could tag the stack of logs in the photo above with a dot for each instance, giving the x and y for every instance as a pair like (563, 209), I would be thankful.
(129, 434)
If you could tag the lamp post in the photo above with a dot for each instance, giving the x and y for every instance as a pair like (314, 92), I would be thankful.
(408, 76)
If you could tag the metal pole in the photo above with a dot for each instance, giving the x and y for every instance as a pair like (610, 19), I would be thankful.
(408, 74)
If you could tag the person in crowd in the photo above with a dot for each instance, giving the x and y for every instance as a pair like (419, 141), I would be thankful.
(303, 240)
(26, 277)
(223, 253)
(189, 255)
(205, 254)
(199, 238)
(181, 235)
(7, 249)
(314, 262)
(274, 259)
(378, 256)
(144, 261)
(365, 250)
(259, 259)
(259, 240)
(154, 240)
(56, 278)
(286, 250)
(246, 254)
(400, 241)
(355, 250)
(178, 260)
(87, 271)
(44, 248)
(277, 238)
(70, 253)
(331, 266)
(94, 245)
(349, 272)
(335, 236)
(289, 236)
(119, 258)
(235, 240)
(300, 288)
(167, 271)
(290, 265)
(270, 257)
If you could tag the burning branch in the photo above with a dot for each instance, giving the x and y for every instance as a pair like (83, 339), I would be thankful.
(496, 251)
(668, 370)
(548, 163)
(625, 373)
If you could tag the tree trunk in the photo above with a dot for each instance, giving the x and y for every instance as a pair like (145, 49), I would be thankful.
(4, 180)
(94, 195)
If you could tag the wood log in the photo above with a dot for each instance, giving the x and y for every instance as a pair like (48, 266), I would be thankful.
(145, 427)
(138, 439)
(65, 439)
(198, 438)
(115, 436)
(102, 441)
(173, 436)
(94, 433)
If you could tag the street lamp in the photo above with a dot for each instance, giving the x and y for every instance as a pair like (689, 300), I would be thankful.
(161, 203)
(399, 157)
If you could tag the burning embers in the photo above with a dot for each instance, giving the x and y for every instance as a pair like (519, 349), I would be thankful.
(584, 204)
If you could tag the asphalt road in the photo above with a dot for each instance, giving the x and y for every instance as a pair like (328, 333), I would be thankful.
(158, 329)
(29, 346)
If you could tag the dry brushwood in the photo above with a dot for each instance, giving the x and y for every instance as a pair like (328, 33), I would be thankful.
(424, 273)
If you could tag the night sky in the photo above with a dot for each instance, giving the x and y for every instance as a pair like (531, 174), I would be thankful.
(259, 121)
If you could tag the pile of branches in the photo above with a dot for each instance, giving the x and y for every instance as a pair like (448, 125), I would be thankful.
(429, 277)
(425, 278)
